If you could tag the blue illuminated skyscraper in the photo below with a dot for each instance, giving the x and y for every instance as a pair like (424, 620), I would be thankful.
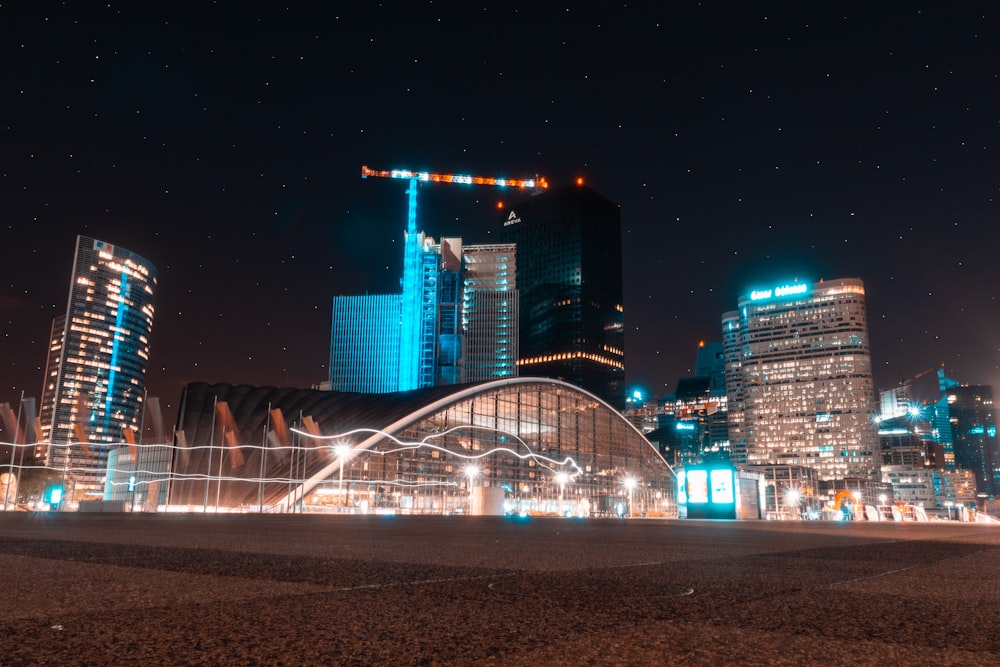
(455, 321)
(364, 343)
(96, 375)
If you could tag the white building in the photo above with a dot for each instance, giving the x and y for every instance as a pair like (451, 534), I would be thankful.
(931, 488)
(799, 379)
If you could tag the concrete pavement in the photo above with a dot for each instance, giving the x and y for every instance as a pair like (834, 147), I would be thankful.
(120, 589)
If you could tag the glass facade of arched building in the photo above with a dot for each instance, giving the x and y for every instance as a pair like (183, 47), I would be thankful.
(528, 446)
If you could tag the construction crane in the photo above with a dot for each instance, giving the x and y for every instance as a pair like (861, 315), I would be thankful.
(415, 177)
(412, 302)
(537, 182)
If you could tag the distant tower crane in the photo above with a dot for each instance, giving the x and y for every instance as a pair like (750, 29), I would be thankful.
(416, 353)
(415, 177)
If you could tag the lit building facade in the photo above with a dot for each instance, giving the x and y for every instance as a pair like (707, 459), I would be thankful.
(455, 322)
(96, 371)
(904, 441)
(513, 446)
(489, 311)
(798, 372)
(926, 487)
(974, 434)
(569, 277)
(732, 350)
(364, 343)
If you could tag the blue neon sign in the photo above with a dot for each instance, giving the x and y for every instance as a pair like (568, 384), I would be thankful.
(793, 289)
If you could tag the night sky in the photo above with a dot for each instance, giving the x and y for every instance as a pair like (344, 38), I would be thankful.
(747, 146)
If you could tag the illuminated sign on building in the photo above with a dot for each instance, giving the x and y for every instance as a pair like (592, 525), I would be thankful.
(697, 486)
(512, 219)
(722, 486)
(784, 290)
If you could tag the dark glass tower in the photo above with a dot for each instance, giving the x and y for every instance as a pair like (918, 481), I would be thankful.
(569, 275)
(974, 433)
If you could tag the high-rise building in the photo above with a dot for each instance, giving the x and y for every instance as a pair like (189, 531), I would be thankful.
(711, 363)
(569, 277)
(799, 378)
(732, 350)
(974, 434)
(364, 343)
(96, 371)
(941, 420)
(455, 321)
(489, 311)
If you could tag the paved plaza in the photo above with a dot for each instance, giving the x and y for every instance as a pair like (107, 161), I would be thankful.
(120, 589)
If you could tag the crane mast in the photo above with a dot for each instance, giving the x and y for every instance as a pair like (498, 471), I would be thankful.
(416, 349)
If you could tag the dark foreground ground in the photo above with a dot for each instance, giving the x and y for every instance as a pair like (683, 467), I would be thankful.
(93, 589)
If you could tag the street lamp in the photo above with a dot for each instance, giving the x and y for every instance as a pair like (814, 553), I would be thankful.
(471, 472)
(630, 484)
(561, 479)
(792, 500)
(343, 451)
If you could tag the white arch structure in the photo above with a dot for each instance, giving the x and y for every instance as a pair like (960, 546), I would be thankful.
(327, 472)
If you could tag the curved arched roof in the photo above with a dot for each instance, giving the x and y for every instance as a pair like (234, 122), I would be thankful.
(333, 412)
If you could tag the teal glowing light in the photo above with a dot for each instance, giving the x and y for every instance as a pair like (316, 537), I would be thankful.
(722, 486)
(684, 426)
(412, 297)
(116, 350)
(793, 289)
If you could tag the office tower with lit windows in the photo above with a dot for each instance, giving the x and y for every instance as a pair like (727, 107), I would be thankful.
(454, 322)
(489, 311)
(974, 434)
(569, 277)
(732, 350)
(799, 378)
(96, 371)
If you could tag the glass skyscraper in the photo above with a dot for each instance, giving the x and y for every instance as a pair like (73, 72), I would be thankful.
(974, 434)
(569, 277)
(486, 284)
(455, 321)
(364, 343)
(95, 376)
(799, 379)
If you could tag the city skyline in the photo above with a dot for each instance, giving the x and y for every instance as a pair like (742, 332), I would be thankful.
(746, 148)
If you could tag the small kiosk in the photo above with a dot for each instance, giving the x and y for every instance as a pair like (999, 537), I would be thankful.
(719, 491)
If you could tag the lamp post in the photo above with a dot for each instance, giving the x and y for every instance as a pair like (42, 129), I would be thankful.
(471, 472)
(561, 478)
(630, 484)
(792, 501)
(343, 451)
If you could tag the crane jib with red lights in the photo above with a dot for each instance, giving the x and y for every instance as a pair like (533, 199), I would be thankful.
(423, 176)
